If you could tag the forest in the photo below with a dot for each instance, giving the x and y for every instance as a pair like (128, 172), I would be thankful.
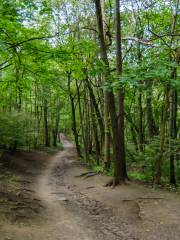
(112, 84)
(103, 74)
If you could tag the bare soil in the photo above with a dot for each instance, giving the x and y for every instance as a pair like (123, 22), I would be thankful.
(48, 197)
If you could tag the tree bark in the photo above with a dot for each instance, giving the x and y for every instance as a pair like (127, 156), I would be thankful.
(96, 108)
(73, 111)
(173, 101)
(152, 129)
(119, 175)
(46, 129)
(159, 162)
(141, 128)
(122, 158)
(95, 133)
(107, 134)
(172, 128)
(108, 94)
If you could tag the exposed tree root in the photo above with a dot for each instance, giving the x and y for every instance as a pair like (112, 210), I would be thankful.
(150, 198)
(26, 190)
(142, 198)
(138, 204)
(84, 174)
(90, 187)
(115, 182)
(91, 175)
(88, 174)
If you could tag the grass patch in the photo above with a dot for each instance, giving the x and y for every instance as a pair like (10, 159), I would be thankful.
(8, 178)
(51, 149)
(97, 169)
(139, 176)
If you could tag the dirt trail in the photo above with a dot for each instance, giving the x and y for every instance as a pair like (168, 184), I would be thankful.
(76, 208)
(45, 183)
(66, 214)
(62, 222)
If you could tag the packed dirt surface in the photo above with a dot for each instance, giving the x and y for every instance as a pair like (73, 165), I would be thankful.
(51, 197)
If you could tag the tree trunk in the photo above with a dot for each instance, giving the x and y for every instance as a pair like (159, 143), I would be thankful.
(173, 98)
(118, 173)
(172, 128)
(133, 133)
(108, 94)
(56, 123)
(159, 162)
(107, 134)
(96, 108)
(141, 128)
(152, 130)
(95, 133)
(73, 111)
(122, 158)
(86, 127)
(46, 130)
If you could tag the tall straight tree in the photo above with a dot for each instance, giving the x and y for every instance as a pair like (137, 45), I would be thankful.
(107, 134)
(173, 101)
(118, 144)
(122, 158)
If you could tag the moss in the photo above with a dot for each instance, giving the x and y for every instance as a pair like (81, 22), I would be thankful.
(8, 178)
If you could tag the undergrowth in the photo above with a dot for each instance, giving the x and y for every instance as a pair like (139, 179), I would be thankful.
(8, 178)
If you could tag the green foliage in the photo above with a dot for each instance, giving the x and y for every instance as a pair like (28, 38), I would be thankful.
(8, 178)
(97, 168)
(43, 42)
(15, 128)
(140, 176)
(143, 165)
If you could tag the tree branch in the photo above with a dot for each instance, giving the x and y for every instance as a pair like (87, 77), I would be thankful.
(142, 41)
(5, 66)
(13, 45)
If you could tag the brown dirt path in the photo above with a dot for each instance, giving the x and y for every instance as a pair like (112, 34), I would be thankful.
(82, 209)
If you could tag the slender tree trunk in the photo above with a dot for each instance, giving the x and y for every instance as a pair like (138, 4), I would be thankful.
(173, 98)
(107, 93)
(93, 99)
(118, 173)
(159, 162)
(86, 128)
(18, 89)
(107, 134)
(100, 101)
(141, 128)
(73, 111)
(46, 129)
(134, 138)
(56, 122)
(81, 115)
(172, 128)
(122, 158)
(152, 130)
(55, 129)
(95, 132)
(140, 107)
